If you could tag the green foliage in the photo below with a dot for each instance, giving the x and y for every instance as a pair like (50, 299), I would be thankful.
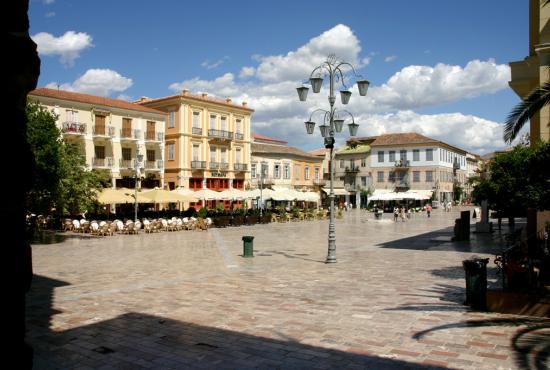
(203, 212)
(517, 180)
(457, 191)
(62, 182)
(295, 212)
(220, 208)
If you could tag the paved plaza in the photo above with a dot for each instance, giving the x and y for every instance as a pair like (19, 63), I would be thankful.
(189, 300)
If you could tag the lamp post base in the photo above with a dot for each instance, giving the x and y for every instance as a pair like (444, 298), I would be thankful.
(330, 259)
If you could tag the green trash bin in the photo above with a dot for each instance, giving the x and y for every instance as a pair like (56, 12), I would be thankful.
(475, 270)
(248, 246)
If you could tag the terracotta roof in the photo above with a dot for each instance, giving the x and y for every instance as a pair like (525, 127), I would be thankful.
(402, 138)
(281, 149)
(92, 99)
(204, 97)
(319, 152)
(267, 138)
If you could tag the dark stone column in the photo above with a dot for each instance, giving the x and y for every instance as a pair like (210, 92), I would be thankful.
(21, 70)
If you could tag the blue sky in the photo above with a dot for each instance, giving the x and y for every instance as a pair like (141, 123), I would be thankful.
(436, 67)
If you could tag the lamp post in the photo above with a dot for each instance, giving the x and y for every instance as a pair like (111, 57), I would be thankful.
(332, 122)
(262, 164)
(139, 158)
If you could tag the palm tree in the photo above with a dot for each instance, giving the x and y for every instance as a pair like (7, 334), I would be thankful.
(526, 109)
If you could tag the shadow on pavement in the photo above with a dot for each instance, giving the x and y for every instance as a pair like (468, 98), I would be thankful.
(531, 344)
(135, 341)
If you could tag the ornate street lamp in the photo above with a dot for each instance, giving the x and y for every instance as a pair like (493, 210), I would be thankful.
(332, 123)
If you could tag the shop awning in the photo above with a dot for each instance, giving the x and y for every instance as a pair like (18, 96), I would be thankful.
(337, 191)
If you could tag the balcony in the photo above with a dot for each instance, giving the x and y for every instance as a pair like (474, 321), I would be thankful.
(198, 165)
(239, 136)
(352, 187)
(224, 166)
(196, 130)
(353, 169)
(103, 131)
(127, 164)
(127, 134)
(154, 165)
(73, 128)
(402, 184)
(240, 166)
(319, 182)
(221, 135)
(154, 136)
(402, 165)
(106, 162)
(214, 165)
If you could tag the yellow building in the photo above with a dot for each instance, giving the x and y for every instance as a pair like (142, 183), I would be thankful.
(110, 133)
(531, 72)
(207, 141)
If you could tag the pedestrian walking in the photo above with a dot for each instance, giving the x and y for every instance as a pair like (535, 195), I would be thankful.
(429, 209)
(449, 206)
(402, 213)
(395, 213)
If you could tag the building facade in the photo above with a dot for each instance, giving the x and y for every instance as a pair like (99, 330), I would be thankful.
(207, 141)
(532, 71)
(111, 134)
(284, 166)
(352, 173)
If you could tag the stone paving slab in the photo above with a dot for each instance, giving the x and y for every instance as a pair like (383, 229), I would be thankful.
(188, 300)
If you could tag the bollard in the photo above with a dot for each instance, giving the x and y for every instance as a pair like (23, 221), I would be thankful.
(248, 246)
(476, 282)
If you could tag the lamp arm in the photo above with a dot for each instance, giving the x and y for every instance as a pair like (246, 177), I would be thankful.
(317, 110)
(352, 68)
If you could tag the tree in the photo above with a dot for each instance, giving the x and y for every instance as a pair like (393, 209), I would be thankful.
(457, 190)
(517, 180)
(62, 182)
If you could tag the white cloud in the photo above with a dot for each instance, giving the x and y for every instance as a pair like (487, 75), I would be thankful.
(68, 46)
(49, 14)
(206, 64)
(419, 86)
(269, 87)
(102, 82)
(390, 58)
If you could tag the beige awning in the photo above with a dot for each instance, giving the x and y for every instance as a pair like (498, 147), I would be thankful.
(165, 196)
(337, 191)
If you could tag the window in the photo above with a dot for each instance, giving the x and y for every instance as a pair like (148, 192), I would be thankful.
(316, 173)
(99, 152)
(126, 154)
(237, 155)
(150, 154)
(429, 154)
(392, 155)
(342, 163)
(429, 176)
(306, 173)
(381, 159)
(416, 155)
(265, 169)
(196, 120)
(403, 155)
(286, 171)
(253, 170)
(277, 171)
(171, 151)
(391, 176)
(212, 122)
(72, 116)
(213, 156)
(223, 155)
(171, 119)
(351, 163)
(196, 152)
(223, 124)
(380, 175)
(363, 162)
(416, 176)
(298, 172)
(238, 126)
(364, 181)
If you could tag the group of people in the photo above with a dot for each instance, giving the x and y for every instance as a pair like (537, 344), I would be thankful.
(401, 212)
(448, 206)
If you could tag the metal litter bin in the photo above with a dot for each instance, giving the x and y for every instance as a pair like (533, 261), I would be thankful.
(248, 246)
(475, 270)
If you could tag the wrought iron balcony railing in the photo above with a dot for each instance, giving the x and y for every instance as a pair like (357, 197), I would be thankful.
(220, 134)
(240, 166)
(200, 165)
(73, 128)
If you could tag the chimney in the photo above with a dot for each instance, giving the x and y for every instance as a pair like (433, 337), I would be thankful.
(228, 100)
(204, 95)
(184, 92)
(245, 104)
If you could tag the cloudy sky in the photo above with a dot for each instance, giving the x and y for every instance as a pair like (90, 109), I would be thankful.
(436, 67)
